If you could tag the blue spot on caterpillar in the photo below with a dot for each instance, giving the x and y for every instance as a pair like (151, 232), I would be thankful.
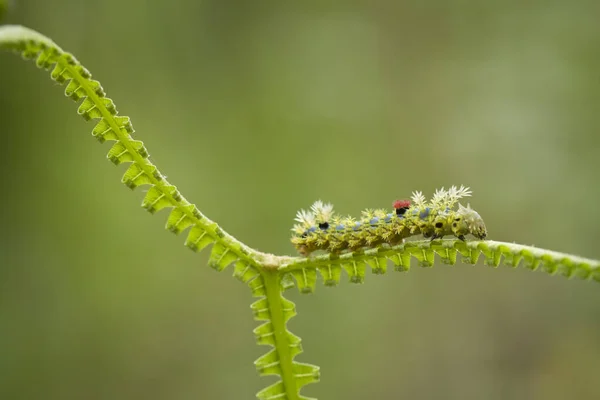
(434, 219)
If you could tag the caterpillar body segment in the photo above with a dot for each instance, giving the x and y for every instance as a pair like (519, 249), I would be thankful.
(322, 229)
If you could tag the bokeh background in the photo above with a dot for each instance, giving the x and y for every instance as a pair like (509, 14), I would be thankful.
(256, 109)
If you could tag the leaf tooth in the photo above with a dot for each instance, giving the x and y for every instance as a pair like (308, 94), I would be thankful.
(426, 256)
(47, 58)
(275, 391)
(567, 268)
(198, 239)
(305, 373)
(306, 279)
(260, 309)
(135, 176)
(179, 219)
(31, 50)
(264, 334)
(89, 110)
(103, 131)
(258, 287)
(469, 255)
(74, 90)
(119, 153)
(244, 272)
(221, 257)
(156, 199)
(355, 270)
(60, 73)
(401, 259)
(269, 364)
(331, 274)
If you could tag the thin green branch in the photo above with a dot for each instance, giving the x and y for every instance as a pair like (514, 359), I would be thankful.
(282, 344)
(33, 44)
(424, 251)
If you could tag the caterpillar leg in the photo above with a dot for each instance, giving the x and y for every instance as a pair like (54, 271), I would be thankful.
(436, 236)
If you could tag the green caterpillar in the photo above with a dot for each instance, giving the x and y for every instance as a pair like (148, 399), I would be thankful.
(321, 229)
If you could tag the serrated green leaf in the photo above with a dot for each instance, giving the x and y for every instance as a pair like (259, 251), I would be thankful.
(257, 286)
(260, 309)
(244, 272)
(288, 308)
(103, 131)
(305, 374)
(155, 200)
(401, 261)
(512, 259)
(221, 257)
(306, 279)
(264, 334)
(287, 281)
(378, 264)
(331, 274)
(447, 254)
(179, 219)
(470, 255)
(269, 364)
(198, 239)
(355, 270)
(275, 391)
(135, 176)
(119, 153)
(426, 257)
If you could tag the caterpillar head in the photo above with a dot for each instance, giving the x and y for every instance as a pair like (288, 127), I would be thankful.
(468, 221)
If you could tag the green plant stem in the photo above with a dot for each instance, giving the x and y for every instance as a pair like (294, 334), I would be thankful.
(273, 288)
(493, 251)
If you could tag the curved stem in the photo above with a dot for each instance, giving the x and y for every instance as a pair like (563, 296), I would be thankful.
(493, 251)
(273, 288)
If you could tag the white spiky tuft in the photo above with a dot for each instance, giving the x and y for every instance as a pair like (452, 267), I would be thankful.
(440, 197)
(455, 194)
(305, 218)
(322, 211)
(418, 199)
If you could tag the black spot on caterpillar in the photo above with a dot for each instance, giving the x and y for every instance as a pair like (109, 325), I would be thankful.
(321, 229)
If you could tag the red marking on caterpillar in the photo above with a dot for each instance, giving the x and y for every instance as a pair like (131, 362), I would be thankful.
(321, 229)
(401, 204)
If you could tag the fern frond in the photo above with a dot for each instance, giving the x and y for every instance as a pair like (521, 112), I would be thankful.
(258, 270)
(275, 311)
(93, 104)
(330, 265)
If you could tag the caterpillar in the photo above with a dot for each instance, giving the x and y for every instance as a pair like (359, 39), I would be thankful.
(321, 229)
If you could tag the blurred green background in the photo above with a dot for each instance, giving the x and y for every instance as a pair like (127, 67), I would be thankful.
(256, 109)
